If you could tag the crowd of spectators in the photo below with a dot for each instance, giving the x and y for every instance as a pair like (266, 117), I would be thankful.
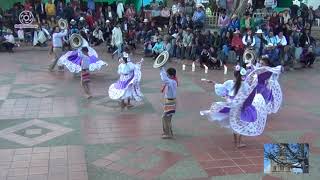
(180, 29)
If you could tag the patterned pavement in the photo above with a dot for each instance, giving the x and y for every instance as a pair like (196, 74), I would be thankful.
(49, 131)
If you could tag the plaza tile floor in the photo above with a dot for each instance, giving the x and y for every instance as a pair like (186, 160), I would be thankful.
(49, 131)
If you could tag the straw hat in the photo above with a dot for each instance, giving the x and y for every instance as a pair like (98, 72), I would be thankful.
(107, 21)
(259, 31)
(125, 55)
(237, 32)
(145, 20)
(200, 5)
(269, 45)
(81, 19)
(234, 16)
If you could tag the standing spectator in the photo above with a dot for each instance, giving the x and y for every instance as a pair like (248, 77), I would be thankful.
(189, 7)
(50, 9)
(40, 11)
(274, 21)
(222, 4)
(199, 17)
(117, 40)
(60, 10)
(286, 16)
(68, 12)
(223, 22)
(230, 7)
(91, 5)
(317, 12)
(270, 4)
(27, 5)
(110, 15)
(130, 13)
(120, 10)
(311, 16)
(187, 42)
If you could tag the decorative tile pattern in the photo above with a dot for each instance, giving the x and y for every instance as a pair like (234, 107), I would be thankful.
(45, 163)
(56, 131)
(38, 108)
(113, 161)
(102, 130)
(40, 90)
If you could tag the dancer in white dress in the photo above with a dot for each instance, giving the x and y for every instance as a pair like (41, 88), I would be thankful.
(244, 111)
(72, 59)
(128, 85)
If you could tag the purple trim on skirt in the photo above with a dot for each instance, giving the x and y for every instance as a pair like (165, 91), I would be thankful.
(225, 110)
(76, 59)
(123, 84)
(248, 111)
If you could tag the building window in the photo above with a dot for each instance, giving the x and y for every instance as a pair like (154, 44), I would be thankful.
(274, 168)
(281, 168)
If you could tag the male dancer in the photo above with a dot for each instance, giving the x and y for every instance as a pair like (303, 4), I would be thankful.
(56, 48)
(170, 92)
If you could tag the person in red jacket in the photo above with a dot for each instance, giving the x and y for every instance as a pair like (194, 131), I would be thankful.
(237, 44)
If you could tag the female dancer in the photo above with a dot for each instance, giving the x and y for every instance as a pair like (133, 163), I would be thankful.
(243, 111)
(268, 85)
(72, 59)
(127, 87)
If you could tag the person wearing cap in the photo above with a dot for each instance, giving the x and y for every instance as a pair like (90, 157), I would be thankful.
(107, 31)
(57, 44)
(73, 27)
(260, 42)
(272, 53)
(127, 88)
(117, 40)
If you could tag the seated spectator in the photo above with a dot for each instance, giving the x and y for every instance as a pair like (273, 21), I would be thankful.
(307, 57)
(248, 40)
(199, 17)
(158, 48)
(237, 44)
(9, 41)
(234, 23)
(187, 43)
(271, 39)
(223, 23)
(246, 22)
(281, 44)
(204, 57)
(272, 54)
(260, 42)
(167, 46)
(216, 63)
